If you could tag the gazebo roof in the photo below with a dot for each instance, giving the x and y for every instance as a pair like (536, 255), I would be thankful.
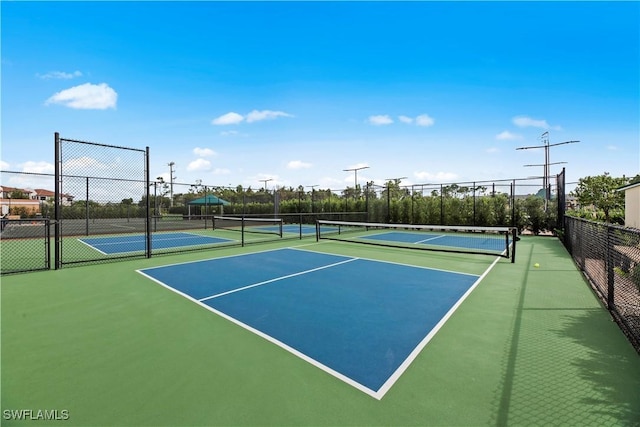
(209, 200)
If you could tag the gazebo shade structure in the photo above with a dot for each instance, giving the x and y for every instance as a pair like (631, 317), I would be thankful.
(208, 200)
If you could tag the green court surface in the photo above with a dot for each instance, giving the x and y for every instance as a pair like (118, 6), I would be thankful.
(529, 346)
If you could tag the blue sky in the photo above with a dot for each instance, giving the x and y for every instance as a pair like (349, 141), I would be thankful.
(237, 92)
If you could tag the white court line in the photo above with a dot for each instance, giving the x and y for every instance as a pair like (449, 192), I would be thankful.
(92, 247)
(271, 339)
(141, 239)
(276, 279)
(380, 393)
(296, 248)
(432, 238)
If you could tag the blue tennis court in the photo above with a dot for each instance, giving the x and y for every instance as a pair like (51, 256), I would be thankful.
(306, 229)
(360, 320)
(290, 228)
(111, 245)
(480, 242)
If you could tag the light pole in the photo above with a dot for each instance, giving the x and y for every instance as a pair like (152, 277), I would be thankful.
(155, 193)
(355, 172)
(265, 182)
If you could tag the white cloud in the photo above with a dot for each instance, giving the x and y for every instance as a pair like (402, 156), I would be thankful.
(421, 120)
(523, 121)
(298, 164)
(493, 150)
(38, 167)
(59, 75)
(198, 165)
(612, 148)
(256, 116)
(424, 120)
(204, 152)
(230, 118)
(86, 97)
(229, 133)
(507, 136)
(221, 171)
(380, 120)
(435, 177)
(4, 165)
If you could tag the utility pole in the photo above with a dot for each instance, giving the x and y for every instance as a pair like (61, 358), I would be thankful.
(546, 145)
(171, 178)
(355, 170)
(265, 182)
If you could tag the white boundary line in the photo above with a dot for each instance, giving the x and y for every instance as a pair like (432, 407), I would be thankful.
(92, 247)
(297, 248)
(396, 374)
(144, 238)
(431, 238)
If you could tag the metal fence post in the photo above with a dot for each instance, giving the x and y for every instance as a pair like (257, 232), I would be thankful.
(609, 266)
(57, 203)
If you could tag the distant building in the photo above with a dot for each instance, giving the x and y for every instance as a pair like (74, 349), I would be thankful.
(631, 204)
(31, 200)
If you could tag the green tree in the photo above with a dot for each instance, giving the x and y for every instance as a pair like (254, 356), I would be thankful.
(600, 192)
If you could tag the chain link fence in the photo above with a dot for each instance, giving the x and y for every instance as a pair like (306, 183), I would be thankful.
(609, 256)
(108, 208)
(96, 186)
(25, 245)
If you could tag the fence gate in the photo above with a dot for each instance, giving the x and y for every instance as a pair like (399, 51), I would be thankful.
(101, 202)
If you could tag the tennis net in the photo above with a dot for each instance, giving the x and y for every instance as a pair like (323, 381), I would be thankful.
(248, 224)
(462, 239)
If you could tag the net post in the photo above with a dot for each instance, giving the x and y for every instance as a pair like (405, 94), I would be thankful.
(86, 208)
(507, 236)
(514, 232)
(242, 230)
(280, 227)
(300, 222)
(317, 230)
